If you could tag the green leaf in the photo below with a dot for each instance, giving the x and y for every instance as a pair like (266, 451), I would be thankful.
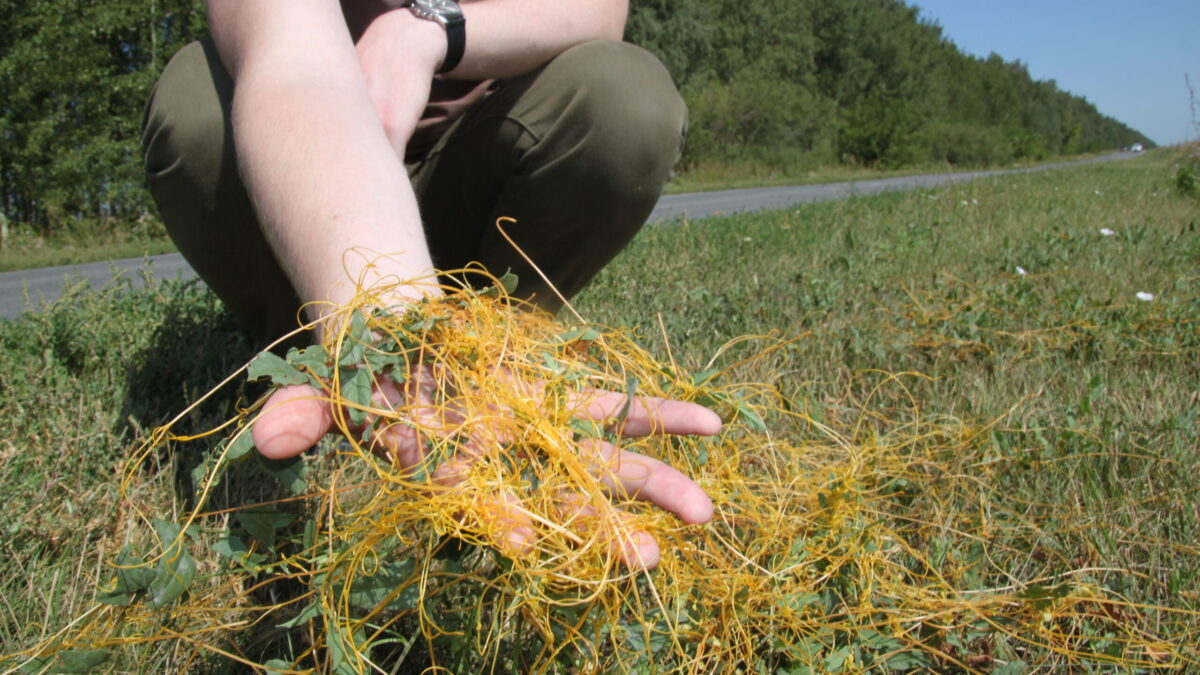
(240, 445)
(355, 342)
(631, 384)
(314, 357)
(635, 637)
(281, 372)
(310, 534)
(368, 431)
(290, 472)
(71, 661)
(909, 661)
(509, 282)
(581, 333)
(133, 576)
(367, 592)
(307, 614)
(702, 378)
(277, 666)
(168, 532)
(417, 321)
(586, 428)
(799, 601)
(357, 390)
(552, 364)
(233, 548)
(750, 417)
(835, 661)
(261, 524)
(342, 656)
(380, 362)
(201, 470)
(176, 568)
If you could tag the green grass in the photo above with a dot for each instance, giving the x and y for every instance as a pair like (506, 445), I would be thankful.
(84, 245)
(1084, 396)
(1082, 399)
(736, 175)
(25, 253)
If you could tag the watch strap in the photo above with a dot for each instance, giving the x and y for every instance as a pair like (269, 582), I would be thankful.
(456, 42)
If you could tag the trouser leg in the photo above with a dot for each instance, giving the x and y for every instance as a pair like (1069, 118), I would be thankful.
(192, 173)
(576, 152)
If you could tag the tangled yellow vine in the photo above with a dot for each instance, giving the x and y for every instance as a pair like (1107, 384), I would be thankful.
(353, 562)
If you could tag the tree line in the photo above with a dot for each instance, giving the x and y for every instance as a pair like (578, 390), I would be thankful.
(786, 83)
(802, 83)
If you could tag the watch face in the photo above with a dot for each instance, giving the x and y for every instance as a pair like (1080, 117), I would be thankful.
(441, 7)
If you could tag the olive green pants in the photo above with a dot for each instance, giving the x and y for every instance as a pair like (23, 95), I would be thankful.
(576, 152)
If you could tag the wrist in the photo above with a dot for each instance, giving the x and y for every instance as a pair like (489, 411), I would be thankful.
(401, 40)
(448, 15)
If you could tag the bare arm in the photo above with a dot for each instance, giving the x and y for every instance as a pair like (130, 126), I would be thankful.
(312, 149)
(321, 124)
(325, 176)
(504, 38)
(511, 37)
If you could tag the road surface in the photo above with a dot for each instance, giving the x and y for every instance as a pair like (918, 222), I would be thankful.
(33, 288)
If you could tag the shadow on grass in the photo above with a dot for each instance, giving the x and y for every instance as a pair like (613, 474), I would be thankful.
(194, 346)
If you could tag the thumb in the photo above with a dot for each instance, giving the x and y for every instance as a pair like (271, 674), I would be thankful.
(293, 419)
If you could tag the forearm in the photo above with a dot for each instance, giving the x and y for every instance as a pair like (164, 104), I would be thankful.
(504, 38)
(324, 181)
(312, 151)
(512, 37)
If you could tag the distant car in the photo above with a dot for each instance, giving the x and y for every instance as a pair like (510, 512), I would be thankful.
(1136, 147)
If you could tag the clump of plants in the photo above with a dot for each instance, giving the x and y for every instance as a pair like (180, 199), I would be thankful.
(1186, 179)
(349, 560)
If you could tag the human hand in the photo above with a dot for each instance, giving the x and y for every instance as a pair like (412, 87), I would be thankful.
(399, 54)
(295, 417)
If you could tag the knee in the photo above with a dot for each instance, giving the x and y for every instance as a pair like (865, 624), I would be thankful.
(630, 117)
(185, 122)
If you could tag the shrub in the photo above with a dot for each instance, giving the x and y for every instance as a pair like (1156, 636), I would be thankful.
(967, 144)
(1187, 173)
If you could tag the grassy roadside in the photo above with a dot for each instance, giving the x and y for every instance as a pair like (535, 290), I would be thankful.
(33, 253)
(1000, 311)
(711, 177)
(23, 252)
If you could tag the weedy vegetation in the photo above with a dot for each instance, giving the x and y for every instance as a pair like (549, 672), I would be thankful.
(961, 436)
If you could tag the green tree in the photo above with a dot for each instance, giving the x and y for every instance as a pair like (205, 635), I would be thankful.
(74, 77)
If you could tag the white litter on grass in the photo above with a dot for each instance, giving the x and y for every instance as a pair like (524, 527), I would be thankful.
(1106, 232)
(1144, 296)
(1021, 270)
(747, 239)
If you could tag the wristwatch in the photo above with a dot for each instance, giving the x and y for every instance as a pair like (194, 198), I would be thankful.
(449, 14)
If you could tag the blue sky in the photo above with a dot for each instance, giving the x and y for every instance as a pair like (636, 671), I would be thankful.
(1127, 57)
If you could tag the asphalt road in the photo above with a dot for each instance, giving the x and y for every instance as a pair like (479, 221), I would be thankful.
(33, 288)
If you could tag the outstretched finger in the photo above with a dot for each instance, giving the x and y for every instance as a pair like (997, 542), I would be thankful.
(649, 414)
(629, 474)
(292, 420)
(500, 516)
(636, 548)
